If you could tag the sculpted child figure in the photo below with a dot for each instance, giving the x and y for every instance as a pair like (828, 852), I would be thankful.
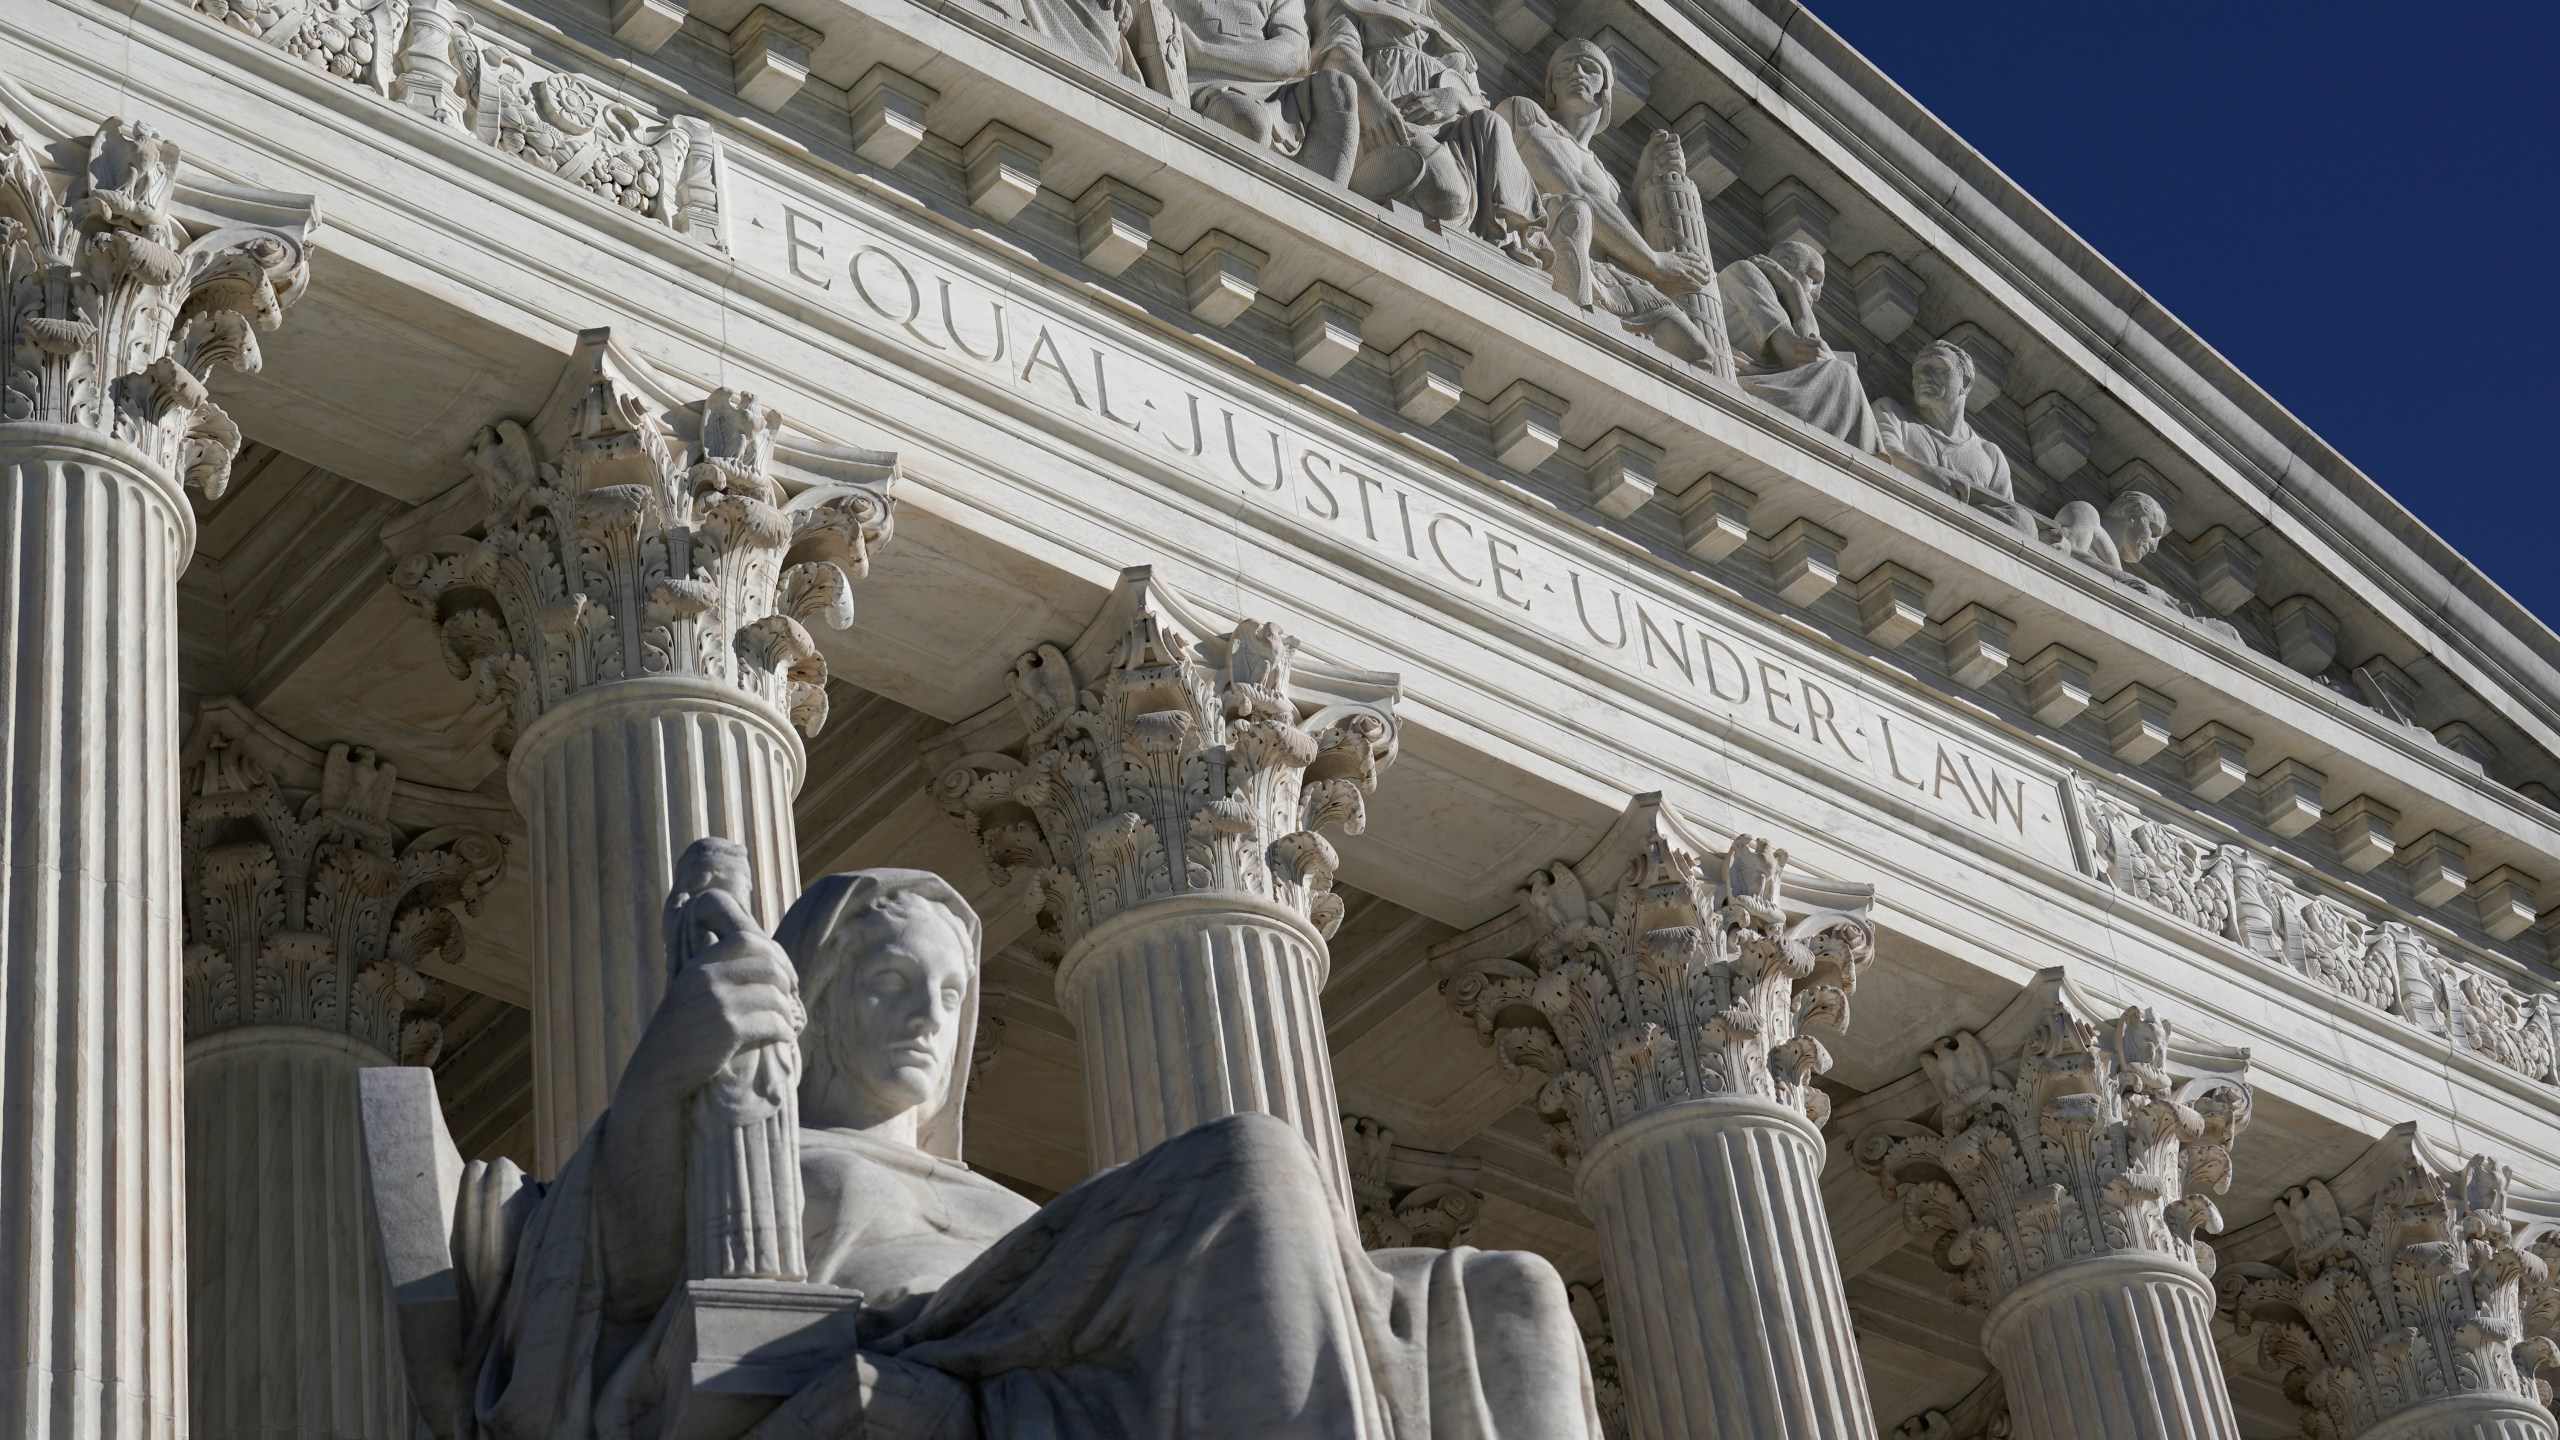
(1211, 1287)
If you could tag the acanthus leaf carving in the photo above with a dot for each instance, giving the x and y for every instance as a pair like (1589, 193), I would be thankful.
(1409, 1197)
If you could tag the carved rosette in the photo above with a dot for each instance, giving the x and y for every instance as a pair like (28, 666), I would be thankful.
(317, 909)
(114, 311)
(1409, 1197)
(2083, 1144)
(2431, 1295)
(627, 547)
(1180, 762)
(1684, 982)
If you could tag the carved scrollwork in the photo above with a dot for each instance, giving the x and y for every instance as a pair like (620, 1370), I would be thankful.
(630, 550)
(1191, 762)
(1685, 981)
(317, 908)
(1409, 1197)
(2082, 1143)
(1600, 1343)
(114, 311)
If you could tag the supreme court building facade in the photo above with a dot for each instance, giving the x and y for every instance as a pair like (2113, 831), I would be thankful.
(1571, 596)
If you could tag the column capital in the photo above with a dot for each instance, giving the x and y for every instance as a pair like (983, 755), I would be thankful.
(1165, 753)
(623, 532)
(1643, 977)
(318, 885)
(2401, 1283)
(2060, 1137)
(127, 285)
(1407, 1196)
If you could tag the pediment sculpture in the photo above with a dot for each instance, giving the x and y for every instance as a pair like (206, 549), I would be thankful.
(771, 1231)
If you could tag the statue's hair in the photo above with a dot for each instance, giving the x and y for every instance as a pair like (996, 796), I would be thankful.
(1798, 256)
(1956, 356)
(2140, 502)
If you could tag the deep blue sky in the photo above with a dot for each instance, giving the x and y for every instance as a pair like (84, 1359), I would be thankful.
(2357, 203)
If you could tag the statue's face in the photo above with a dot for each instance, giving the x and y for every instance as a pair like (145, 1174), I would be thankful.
(1582, 78)
(1935, 381)
(891, 1024)
(1813, 279)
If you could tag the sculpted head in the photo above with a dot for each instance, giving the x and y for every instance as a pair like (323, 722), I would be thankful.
(2137, 523)
(1942, 375)
(888, 963)
(1580, 78)
(1800, 259)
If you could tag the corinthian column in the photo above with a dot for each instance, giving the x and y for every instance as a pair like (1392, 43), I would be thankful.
(635, 607)
(1666, 1002)
(2069, 1167)
(121, 289)
(316, 886)
(1163, 781)
(2424, 1317)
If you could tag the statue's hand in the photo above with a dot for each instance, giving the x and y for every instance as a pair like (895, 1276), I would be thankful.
(1682, 274)
(1431, 109)
(741, 994)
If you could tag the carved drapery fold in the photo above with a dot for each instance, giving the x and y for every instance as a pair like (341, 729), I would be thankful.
(2232, 892)
(125, 289)
(624, 538)
(1408, 1196)
(2432, 1298)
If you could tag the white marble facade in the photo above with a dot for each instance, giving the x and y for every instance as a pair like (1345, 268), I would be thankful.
(1552, 724)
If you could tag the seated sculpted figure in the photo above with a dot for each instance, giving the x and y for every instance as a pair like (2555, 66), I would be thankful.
(2121, 536)
(1777, 343)
(1212, 1287)
(1426, 136)
(1937, 444)
(1248, 68)
(1594, 251)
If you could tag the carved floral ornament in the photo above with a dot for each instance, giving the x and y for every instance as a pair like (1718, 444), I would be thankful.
(1407, 1196)
(307, 901)
(2232, 892)
(622, 536)
(2075, 1139)
(2402, 1281)
(1682, 980)
(125, 288)
(1157, 757)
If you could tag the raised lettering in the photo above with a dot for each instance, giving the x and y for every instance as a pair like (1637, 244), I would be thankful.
(951, 328)
(1617, 612)
(1774, 688)
(1892, 759)
(1707, 647)
(915, 295)
(1235, 456)
(1818, 713)
(1432, 532)
(814, 243)
(1679, 652)
(1056, 360)
(1947, 771)
(1307, 467)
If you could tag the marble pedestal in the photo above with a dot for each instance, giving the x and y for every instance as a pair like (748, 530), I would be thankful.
(1725, 1293)
(92, 1235)
(614, 782)
(1197, 1007)
(2118, 1347)
(735, 1349)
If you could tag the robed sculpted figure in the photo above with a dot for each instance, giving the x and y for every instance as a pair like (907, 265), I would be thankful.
(1210, 1288)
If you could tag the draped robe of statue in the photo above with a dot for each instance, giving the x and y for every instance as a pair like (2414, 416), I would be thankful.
(1963, 452)
(1209, 1288)
(1763, 303)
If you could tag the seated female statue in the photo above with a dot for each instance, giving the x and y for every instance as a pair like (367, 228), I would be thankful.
(1212, 1287)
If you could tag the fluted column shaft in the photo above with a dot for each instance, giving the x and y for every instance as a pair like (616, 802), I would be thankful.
(1724, 1291)
(2467, 1417)
(1201, 1006)
(2118, 1347)
(92, 1240)
(614, 782)
(293, 1330)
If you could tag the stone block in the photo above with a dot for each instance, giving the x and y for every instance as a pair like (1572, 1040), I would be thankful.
(1713, 149)
(888, 108)
(2465, 740)
(735, 1349)
(1003, 169)
(1990, 363)
(1623, 472)
(2217, 760)
(2057, 681)
(414, 1176)
(1429, 377)
(2059, 433)
(1792, 211)
(769, 57)
(1524, 22)
(1977, 644)
(1893, 604)
(1715, 518)
(2505, 897)
(1220, 276)
(2226, 569)
(1324, 328)
(2137, 721)
(2289, 797)
(1805, 560)
(2306, 634)
(1635, 67)
(1888, 295)
(1115, 223)
(2438, 867)
(646, 25)
(2366, 831)
(1528, 425)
